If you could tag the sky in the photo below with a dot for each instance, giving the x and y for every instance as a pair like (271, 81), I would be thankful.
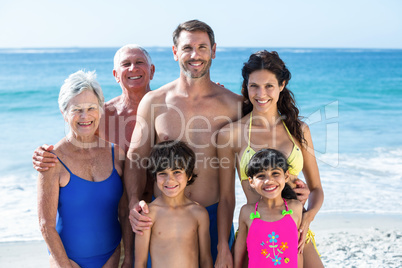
(246, 23)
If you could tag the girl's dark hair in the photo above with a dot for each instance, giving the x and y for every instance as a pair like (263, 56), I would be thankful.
(270, 61)
(172, 155)
(266, 159)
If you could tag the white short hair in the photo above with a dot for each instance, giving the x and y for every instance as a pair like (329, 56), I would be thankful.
(131, 46)
(75, 84)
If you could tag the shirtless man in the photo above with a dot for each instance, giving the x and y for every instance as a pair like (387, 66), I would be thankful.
(133, 70)
(191, 109)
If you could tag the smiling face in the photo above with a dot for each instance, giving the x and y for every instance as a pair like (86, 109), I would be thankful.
(269, 183)
(133, 71)
(172, 182)
(83, 114)
(264, 90)
(194, 53)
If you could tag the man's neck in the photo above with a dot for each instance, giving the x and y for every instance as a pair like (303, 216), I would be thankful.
(194, 86)
(134, 96)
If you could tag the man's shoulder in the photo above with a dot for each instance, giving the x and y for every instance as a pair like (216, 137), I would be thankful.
(159, 95)
(226, 93)
(112, 102)
(110, 106)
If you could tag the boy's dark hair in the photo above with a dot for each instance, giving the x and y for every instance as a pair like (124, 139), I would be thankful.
(172, 155)
(268, 159)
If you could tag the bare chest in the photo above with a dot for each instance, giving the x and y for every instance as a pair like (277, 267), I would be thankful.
(175, 227)
(197, 126)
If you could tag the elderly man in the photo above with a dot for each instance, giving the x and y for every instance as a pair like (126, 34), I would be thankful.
(133, 70)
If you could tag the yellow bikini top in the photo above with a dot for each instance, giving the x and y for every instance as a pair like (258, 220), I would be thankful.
(295, 159)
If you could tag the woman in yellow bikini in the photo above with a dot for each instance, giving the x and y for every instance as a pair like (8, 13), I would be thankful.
(271, 120)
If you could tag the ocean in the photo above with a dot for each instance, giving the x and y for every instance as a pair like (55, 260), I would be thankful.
(351, 99)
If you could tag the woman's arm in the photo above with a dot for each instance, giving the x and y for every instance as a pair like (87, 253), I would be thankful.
(227, 200)
(127, 233)
(312, 176)
(241, 240)
(204, 240)
(48, 196)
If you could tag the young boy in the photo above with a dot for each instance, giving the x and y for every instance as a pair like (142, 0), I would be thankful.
(179, 236)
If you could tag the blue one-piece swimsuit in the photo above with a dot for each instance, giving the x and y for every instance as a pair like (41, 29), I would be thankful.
(87, 218)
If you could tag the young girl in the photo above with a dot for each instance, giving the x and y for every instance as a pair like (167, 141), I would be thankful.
(271, 120)
(179, 236)
(268, 230)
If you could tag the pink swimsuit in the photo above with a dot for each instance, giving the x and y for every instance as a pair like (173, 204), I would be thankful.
(272, 244)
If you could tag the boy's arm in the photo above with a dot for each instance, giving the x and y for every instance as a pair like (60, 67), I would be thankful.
(204, 240)
(240, 245)
(142, 248)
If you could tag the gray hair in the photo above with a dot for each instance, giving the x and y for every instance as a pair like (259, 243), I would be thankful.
(129, 47)
(75, 84)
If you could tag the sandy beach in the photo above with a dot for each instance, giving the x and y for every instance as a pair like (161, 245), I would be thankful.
(344, 240)
(359, 240)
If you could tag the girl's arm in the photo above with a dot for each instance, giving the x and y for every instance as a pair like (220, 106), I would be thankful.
(48, 198)
(204, 240)
(142, 248)
(297, 208)
(312, 176)
(241, 240)
(227, 199)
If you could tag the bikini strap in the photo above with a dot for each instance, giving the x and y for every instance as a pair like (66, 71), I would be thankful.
(256, 206)
(62, 163)
(249, 129)
(290, 135)
(113, 154)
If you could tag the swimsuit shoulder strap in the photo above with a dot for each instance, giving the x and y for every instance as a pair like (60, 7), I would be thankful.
(256, 206)
(286, 204)
(63, 163)
(113, 154)
(290, 135)
(249, 128)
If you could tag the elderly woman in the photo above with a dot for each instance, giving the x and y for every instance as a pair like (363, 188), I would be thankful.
(78, 200)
